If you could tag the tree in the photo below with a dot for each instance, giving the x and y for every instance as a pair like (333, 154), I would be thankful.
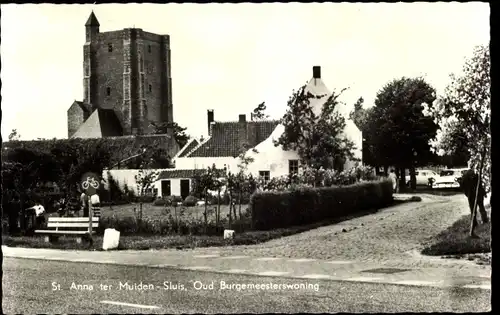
(397, 131)
(464, 109)
(180, 135)
(203, 183)
(466, 106)
(258, 112)
(319, 140)
(360, 116)
(23, 170)
(144, 181)
(14, 136)
(77, 157)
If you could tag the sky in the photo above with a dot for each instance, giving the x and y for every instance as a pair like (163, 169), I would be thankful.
(231, 57)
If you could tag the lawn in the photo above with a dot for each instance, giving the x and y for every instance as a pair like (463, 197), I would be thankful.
(455, 240)
(139, 242)
(150, 211)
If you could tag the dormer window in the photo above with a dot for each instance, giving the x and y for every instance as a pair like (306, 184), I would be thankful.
(110, 47)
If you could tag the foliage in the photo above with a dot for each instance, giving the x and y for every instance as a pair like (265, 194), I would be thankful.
(14, 135)
(145, 180)
(360, 114)
(318, 139)
(180, 135)
(258, 112)
(464, 112)
(311, 177)
(190, 201)
(305, 205)
(397, 133)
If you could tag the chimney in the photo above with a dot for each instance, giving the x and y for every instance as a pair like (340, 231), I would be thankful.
(316, 72)
(243, 132)
(210, 119)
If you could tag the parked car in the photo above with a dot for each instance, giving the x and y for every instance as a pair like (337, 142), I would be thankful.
(449, 178)
(424, 177)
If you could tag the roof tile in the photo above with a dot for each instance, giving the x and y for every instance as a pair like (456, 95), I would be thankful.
(230, 138)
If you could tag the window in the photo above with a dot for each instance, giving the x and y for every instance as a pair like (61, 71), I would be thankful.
(150, 88)
(264, 175)
(110, 48)
(108, 91)
(293, 166)
(149, 48)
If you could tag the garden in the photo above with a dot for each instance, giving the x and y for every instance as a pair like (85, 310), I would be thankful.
(256, 210)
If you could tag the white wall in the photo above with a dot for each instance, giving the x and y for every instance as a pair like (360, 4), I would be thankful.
(127, 177)
(271, 158)
(204, 162)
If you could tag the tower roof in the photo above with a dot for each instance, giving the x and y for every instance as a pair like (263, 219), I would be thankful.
(92, 21)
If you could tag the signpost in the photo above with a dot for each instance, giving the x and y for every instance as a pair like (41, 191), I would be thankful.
(89, 184)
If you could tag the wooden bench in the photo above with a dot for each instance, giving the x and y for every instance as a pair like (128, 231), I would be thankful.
(78, 227)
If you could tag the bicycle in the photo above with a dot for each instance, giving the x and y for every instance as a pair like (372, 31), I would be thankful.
(90, 182)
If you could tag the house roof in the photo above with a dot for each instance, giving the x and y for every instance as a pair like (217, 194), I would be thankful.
(101, 123)
(228, 139)
(92, 21)
(188, 147)
(176, 173)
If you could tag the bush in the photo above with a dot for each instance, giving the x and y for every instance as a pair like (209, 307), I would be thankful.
(190, 201)
(160, 203)
(305, 205)
(146, 199)
(167, 226)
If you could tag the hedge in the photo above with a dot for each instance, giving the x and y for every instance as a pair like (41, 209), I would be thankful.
(301, 206)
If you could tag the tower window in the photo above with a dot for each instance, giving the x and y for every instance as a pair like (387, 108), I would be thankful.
(108, 91)
(149, 48)
(150, 88)
(110, 48)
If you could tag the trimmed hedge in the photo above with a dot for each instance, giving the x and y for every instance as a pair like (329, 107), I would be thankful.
(301, 206)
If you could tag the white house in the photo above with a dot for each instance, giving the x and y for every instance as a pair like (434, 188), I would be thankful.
(225, 142)
(227, 139)
(272, 161)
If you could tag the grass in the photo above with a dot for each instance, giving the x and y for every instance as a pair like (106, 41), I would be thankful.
(455, 240)
(149, 211)
(137, 242)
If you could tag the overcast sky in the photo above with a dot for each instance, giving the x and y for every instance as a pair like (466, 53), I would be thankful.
(231, 57)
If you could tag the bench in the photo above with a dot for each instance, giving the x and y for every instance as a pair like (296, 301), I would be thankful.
(78, 227)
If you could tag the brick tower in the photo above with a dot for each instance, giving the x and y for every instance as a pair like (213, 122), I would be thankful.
(125, 72)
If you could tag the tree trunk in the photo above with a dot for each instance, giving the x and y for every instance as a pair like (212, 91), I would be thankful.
(176, 219)
(386, 170)
(230, 206)
(205, 212)
(474, 210)
(239, 204)
(413, 178)
(234, 211)
(217, 213)
(402, 179)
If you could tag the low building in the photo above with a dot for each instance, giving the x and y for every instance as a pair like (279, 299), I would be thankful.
(227, 140)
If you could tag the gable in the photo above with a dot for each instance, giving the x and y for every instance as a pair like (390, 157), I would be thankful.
(229, 139)
(188, 148)
(101, 123)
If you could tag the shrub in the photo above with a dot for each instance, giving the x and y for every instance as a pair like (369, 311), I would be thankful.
(160, 203)
(190, 201)
(305, 205)
(146, 199)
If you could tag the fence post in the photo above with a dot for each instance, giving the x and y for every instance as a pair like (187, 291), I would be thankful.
(91, 213)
